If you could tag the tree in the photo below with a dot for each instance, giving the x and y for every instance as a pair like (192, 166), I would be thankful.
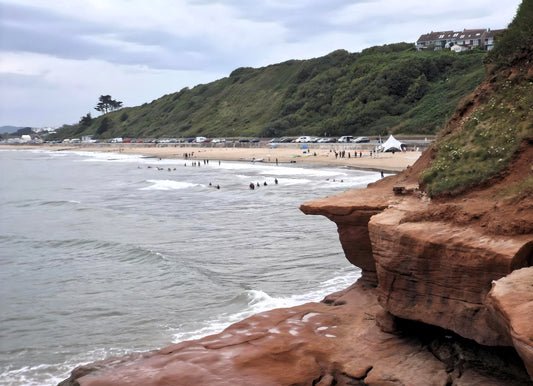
(105, 125)
(86, 120)
(107, 104)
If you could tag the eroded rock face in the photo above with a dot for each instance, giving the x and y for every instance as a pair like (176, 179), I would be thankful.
(439, 269)
(511, 302)
(440, 274)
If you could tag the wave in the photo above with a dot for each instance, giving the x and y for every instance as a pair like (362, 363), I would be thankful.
(70, 249)
(257, 301)
(169, 185)
(52, 374)
(59, 203)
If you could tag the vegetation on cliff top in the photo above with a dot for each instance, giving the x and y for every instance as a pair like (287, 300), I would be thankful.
(387, 89)
(496, 121)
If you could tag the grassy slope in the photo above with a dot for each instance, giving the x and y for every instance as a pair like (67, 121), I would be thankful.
(382, 90)
(490, 124)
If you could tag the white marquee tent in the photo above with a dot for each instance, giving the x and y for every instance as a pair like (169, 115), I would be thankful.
(392, 143)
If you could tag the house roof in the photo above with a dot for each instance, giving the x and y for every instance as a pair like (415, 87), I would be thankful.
(465, 34)
(492, 32)
(434, 36)
(470, 34)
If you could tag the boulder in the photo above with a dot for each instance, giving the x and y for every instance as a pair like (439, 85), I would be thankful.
(511, 302)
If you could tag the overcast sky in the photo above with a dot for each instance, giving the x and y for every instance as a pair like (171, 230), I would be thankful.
(58, 56)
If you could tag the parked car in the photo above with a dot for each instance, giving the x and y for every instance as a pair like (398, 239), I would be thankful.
(361, 140)
(244, 140)
(303, 139)
(327, 140)
(256, 140)
(218, 140)
(346, 138)
(286, 140)
(276, 140)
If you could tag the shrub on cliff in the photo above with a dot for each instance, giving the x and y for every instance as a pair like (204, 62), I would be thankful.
(516, 41)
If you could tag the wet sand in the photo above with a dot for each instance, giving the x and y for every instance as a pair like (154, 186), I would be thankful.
(283, 153)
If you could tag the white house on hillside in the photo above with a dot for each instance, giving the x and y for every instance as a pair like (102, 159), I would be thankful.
(466, 40)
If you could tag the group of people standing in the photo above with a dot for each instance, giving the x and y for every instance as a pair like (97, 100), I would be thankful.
(252, 185)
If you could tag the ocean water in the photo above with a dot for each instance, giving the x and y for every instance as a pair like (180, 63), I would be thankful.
(104, 254)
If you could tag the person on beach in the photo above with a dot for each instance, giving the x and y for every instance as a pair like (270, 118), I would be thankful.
(276, 181)
(252, 186)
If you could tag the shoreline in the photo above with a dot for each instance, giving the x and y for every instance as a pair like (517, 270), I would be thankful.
(289, 153)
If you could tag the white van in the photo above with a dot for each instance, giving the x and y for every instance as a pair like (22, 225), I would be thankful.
(346, 138)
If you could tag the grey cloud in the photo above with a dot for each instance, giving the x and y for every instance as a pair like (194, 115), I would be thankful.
(38, 31)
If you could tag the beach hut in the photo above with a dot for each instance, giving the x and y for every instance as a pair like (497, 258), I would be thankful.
(392, 143)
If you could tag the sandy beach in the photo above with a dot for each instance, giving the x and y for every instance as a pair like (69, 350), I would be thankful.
(283, 153)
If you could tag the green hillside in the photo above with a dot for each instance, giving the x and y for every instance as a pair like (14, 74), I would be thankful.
(387, 89)
(495, 120)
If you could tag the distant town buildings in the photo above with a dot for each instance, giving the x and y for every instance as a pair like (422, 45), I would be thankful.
(458, 41)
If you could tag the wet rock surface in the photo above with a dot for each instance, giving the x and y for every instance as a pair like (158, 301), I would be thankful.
(336, 342)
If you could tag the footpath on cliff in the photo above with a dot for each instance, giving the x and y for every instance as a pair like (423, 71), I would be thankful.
(445, 296)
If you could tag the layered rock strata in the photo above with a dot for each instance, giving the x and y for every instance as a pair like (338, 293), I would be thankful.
(439, 269)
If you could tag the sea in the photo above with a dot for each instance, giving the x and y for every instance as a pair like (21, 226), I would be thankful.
(104, 254)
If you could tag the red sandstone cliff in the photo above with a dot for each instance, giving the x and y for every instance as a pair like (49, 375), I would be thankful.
(446, 262)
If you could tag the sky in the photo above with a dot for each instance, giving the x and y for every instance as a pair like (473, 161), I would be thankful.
(58, 56)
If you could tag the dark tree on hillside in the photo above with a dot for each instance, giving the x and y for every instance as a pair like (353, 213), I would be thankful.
(86, 120)
(107, 104)
(104, 126)
(24, 131)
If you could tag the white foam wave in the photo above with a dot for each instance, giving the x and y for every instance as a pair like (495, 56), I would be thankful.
(168, 185)
(259, 301)
(52, 374)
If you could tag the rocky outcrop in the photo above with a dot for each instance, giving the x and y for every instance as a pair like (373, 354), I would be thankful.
(440, 274)
(351, 211)
(435, 261)
(430, 271)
